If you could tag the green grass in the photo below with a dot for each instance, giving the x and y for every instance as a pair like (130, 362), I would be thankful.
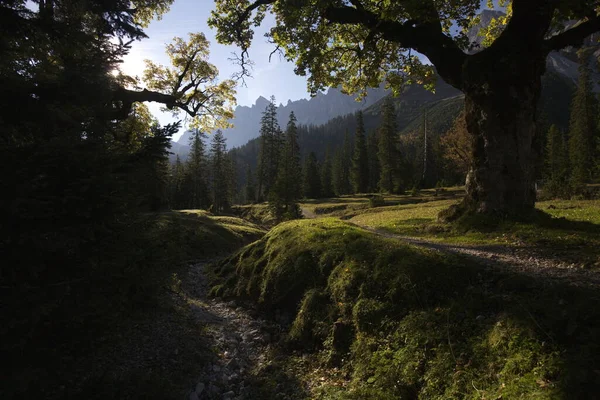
(404, 322)
(569, 229)
(345, 205)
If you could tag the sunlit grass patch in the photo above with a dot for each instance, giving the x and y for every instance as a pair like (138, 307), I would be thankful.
(404, 322)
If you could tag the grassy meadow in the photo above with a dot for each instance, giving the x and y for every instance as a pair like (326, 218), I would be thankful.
(382, 319)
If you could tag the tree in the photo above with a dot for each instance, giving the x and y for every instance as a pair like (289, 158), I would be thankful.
(176, 187)
(288, 188)
(311, 182)
(250, 188)
(360, 43)
(197, 172)
(456, 146)
(374, 168)
(221, 173)
(557, 163)
(270, 150)
(390, 160)
(326, 176)
(190, 84)
(359, 172)
(582, 127)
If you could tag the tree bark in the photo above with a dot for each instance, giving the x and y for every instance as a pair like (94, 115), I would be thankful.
(501, 97)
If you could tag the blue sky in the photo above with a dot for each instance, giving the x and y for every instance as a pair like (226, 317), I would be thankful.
(269, 78)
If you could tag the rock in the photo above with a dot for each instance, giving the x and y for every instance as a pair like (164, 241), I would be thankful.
(216, 368)
(214, 390)
(194, 396)
(228, 395)
(199, 388)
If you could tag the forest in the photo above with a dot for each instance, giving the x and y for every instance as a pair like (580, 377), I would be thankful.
(422, 247)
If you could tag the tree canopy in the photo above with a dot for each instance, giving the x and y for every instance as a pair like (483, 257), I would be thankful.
(360, 43)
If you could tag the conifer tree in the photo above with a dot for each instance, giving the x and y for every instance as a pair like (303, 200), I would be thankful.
(557, 163)
(288, 187)
(311, 179)
(271, 140)
(374, 169)
(250, 188)
(220, 173)
(359, 172)
(337, 172)
(176, 197)
(389, 154)
(326, 176)
(196, 172)
(582, 129)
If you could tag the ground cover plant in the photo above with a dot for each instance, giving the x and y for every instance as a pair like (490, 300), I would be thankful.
(566, 228)
(121, 327)
(404, 322)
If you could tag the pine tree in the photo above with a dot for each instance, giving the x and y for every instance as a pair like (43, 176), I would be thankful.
(177, 188)
(326, 176)
(250, 188)
(220, 173)
(337, 174)
(582, 129)
(557, 163)
(374, 169)
(359, 172)
(288, 188)
(271, 141)
(389, 154)
(196, 173)
(311, 179)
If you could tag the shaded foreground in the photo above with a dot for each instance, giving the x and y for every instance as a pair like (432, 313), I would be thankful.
(117, 323)
(387, 320)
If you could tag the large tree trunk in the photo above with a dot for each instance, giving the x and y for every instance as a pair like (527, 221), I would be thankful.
(500, 105)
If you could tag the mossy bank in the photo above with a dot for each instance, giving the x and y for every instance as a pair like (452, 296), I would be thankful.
(404, 323)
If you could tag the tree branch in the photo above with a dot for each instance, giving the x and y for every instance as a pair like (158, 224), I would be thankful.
(424, 37)
(574, 36)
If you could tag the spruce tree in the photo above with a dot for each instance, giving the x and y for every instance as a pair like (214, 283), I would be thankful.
(250, 188)
(582, 129)
(337, 173)
(288, 188)
(177, 188)
(220, 173)
(557, 163)
(359, 172)
(326, 176)
(374, 169)
(196, 172)
(271, 141)
(311, 179)
(389, 154)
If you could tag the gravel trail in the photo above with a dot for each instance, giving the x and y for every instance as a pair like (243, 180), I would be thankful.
(518, 259)
(240, 341)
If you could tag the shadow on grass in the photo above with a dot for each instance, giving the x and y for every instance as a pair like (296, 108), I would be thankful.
(425, 324)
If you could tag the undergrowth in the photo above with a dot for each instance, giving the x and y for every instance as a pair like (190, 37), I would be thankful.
(102, 318)
(406, 323)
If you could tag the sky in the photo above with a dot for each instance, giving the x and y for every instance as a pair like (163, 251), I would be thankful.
(275, 77)
(186, 16)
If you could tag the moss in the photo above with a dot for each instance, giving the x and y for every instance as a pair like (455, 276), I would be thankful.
(421, 324)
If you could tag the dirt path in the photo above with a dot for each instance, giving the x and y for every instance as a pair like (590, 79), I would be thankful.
(307, 213)
(523, 260)
(240, 341)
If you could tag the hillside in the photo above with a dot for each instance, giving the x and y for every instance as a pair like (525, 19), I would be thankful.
(314, 111)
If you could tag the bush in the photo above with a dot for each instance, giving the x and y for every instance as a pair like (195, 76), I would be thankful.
(376, 200)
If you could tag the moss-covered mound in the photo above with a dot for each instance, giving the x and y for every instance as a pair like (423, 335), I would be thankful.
(409, 323)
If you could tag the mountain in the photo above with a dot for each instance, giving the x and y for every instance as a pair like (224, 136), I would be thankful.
(314, 111)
